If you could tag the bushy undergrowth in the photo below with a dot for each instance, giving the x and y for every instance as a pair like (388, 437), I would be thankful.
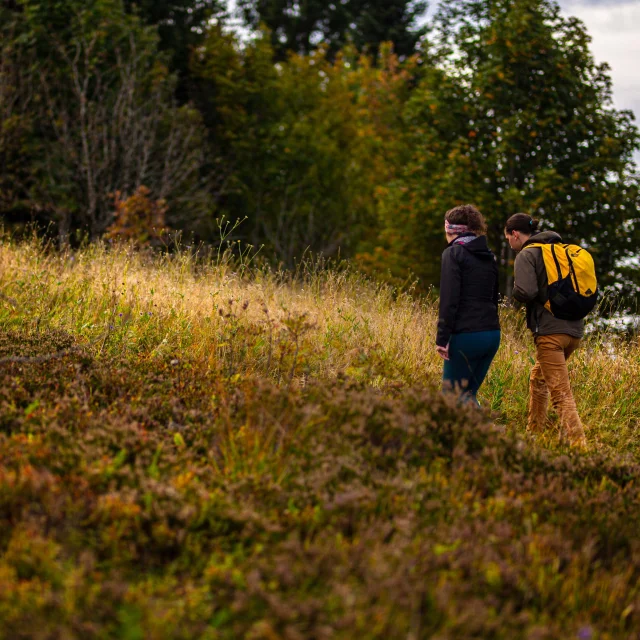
(191, 452)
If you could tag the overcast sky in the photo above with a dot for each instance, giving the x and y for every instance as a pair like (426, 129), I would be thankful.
(614, 26)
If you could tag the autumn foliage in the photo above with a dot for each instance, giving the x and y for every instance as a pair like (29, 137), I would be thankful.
(138, 219)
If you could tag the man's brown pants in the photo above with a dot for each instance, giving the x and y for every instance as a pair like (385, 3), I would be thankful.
(550, 376)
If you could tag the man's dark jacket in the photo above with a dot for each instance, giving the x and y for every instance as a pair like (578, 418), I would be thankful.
(468, 289)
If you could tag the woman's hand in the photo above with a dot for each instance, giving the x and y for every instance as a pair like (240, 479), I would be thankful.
(443, 352)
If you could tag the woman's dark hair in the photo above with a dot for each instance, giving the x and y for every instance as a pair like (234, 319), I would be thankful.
(523, 223)
(469, 216)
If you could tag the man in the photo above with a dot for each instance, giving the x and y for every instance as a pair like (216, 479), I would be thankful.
(555, 339)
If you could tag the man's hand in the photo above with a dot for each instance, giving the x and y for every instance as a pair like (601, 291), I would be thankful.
(443, 352)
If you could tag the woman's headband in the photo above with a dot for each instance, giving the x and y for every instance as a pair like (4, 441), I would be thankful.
(455, 228)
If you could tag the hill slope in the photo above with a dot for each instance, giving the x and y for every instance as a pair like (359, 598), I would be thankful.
(202, 452)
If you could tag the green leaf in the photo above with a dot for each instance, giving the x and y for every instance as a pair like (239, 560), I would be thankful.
(31, 408)
(178, 440)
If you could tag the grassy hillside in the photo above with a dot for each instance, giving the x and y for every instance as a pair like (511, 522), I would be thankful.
(192, 451)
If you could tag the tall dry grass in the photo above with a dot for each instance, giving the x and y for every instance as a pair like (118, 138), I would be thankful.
(316, 324)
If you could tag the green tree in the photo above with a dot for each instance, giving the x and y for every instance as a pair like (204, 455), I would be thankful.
(516, 116)
(302, 26)
(104, 115)
(16, 119)
(181, 25)
(306, 141)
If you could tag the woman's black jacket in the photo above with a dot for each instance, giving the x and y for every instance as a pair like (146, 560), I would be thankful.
(468, 289)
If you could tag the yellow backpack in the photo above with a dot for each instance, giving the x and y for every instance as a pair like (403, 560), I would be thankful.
(571, 275)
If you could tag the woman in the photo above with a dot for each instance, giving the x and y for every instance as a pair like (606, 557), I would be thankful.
(468, 325)
(555, 339)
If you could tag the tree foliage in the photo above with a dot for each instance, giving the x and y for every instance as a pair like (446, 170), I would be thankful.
(105, 120)
(301, 27)
(515, 116)
(181, 26)
(139, 219)
(305, 147)
(16, 116)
